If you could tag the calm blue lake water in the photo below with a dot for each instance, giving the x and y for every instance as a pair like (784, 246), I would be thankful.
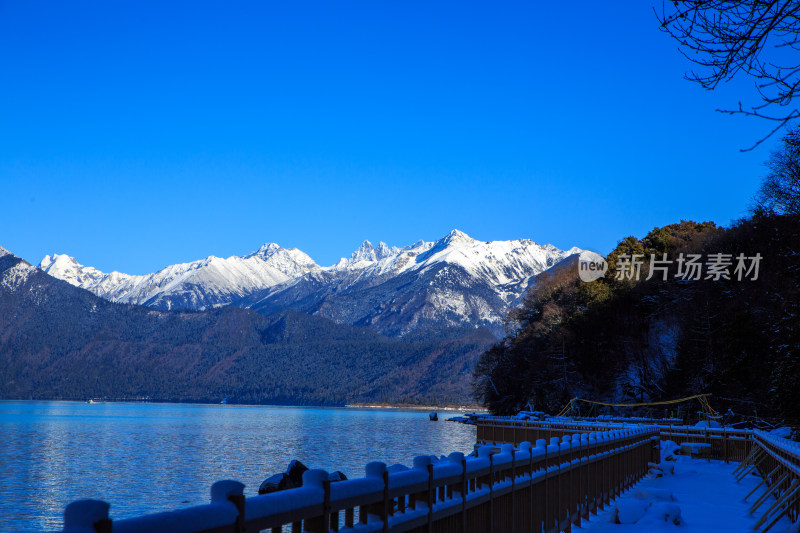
(144, 458)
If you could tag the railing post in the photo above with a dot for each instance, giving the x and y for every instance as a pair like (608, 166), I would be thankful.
(386, 511)
(725, 444)
(557, 442)
(464, 490)
(87, 516)
(593, 472)
(491, 493)
(431, 498)
(318, 479)
(513, 489)
(231, 491)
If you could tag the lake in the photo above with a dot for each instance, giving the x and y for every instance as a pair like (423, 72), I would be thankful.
(148, 457)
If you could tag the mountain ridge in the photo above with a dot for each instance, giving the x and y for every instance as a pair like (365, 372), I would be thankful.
(457, 281)
(58, 341)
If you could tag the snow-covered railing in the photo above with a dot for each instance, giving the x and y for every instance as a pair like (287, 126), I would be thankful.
(777, 461)
(724, 443)
(525, 488)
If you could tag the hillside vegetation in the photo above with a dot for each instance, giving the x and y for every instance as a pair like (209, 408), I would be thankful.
(61, 342)
(625, 340)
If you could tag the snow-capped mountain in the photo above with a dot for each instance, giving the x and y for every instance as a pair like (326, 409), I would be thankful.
(13, 277)
(58, 341)
(197, 285)
(456, 281)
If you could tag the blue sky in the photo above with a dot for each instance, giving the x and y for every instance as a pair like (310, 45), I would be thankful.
(134, 135)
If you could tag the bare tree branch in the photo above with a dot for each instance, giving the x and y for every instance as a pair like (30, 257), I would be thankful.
(755, 38)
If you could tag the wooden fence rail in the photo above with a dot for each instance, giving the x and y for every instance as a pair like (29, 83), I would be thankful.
(725, 444)
(775, 459)
(523, 488)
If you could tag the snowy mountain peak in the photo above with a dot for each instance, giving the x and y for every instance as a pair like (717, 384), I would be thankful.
(4, 252)
(455, 238)
(383, 251)
(60, 262)
(369, 253)
(455, 280)
(365, 252)
(458, 235)
(265, 251)
(199, 284)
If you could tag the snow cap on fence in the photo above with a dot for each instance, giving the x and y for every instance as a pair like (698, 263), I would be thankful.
(541, 443)
(456, 457)
(221, 490)
(377, 468)
(314, 478)
(485, 452)
(554, 441)
(80, 515)
(525, 446)
(422, 461)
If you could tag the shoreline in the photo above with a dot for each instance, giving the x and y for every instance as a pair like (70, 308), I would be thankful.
(417, 407)
(414, 407)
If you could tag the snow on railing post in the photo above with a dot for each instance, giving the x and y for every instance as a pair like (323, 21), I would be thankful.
(87, 516)
(525, 447)
(380, 510)
(320, 480)
(232, 491)
(584, 477)
(457, 458)
(491, 492)
(555, 505)
(572, 442)
(423, 462)
(541, 444)
(605, 483)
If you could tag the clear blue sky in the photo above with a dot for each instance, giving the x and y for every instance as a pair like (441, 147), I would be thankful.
(134, 135)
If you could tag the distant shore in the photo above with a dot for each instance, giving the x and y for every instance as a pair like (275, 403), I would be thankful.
(471, 408)
(371, 405)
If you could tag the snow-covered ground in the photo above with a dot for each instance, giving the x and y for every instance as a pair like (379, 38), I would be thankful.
(704, 493)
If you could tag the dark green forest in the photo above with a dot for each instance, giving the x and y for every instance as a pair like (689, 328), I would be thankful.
(61, 342)
(628, 340)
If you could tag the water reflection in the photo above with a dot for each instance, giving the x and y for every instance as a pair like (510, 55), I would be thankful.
(151, 457)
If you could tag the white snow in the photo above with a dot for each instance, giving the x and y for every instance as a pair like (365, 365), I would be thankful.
(507, 267)
(701, 497)
(783, 432)
(629, 510)
(204, 283)
(15, 276)
(708, 424)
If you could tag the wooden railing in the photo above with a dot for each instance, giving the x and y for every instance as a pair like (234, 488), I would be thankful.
(725, 444)
(775, 459)
(546, 487)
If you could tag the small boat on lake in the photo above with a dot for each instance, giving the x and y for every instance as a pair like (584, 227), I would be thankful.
(434, 417)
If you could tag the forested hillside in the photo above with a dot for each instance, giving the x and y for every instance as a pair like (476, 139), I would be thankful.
(622, 340)
(655, 339)
(61, 342)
